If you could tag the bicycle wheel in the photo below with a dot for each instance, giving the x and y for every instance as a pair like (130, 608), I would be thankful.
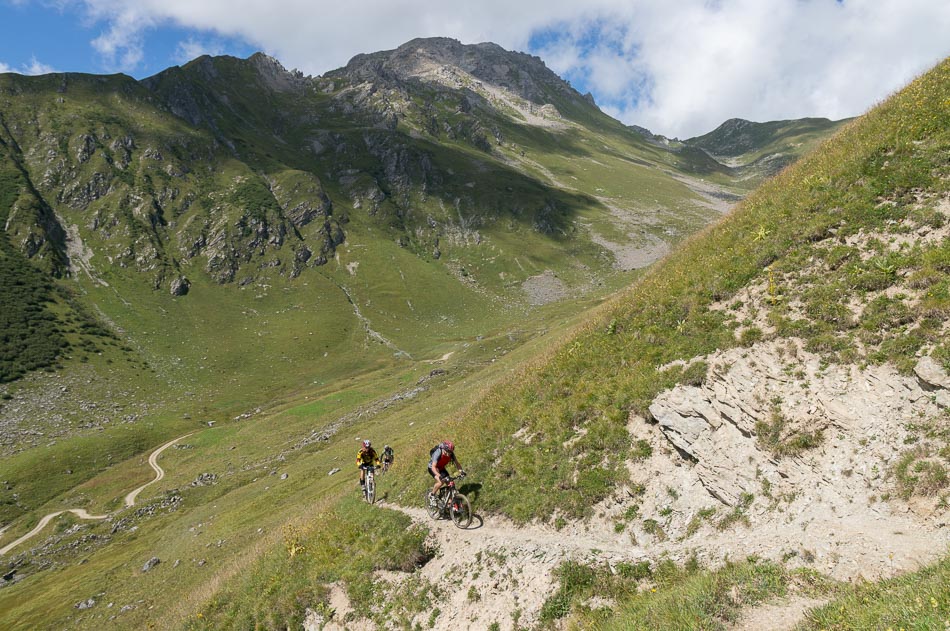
(370, 487)
(432, 507)
(461, 511)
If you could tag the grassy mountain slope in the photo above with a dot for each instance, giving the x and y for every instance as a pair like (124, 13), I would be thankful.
(758, 150)
(845, 226)
(557, 440)
(289, 258)
(330, 226)
(886, 170)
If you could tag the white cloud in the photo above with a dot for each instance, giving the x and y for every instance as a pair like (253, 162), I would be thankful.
(678, 68)
(34, 67)
(192, 48)
(122, 45)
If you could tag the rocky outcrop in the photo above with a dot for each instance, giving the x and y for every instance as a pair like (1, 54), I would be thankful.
(782, 391)
(151, 563)
(301, 197)
(723, 471)
(522, 74)
(931, 374)
(180, 286)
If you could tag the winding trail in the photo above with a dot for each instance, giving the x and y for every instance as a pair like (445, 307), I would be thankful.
(511, 567)
(81, 512)
(159, 472)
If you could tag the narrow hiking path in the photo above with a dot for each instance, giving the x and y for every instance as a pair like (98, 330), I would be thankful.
(81, 512)
(159, 472)
(498, 567)
(502, 531)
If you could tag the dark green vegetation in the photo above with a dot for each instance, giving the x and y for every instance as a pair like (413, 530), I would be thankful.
(39, 318)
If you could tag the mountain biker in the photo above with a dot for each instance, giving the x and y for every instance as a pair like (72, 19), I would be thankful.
(366, 457)
(388, 456)
(441, 455)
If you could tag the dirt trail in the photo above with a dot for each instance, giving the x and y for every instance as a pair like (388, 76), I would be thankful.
(159, 472)
(498, 572)
(781, 615)
(81, 512)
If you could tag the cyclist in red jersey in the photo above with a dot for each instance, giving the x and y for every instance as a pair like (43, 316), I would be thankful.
(441, 455)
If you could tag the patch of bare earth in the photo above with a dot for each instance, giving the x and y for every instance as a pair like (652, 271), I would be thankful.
(497, 572)
(780, 615)
(544, 288)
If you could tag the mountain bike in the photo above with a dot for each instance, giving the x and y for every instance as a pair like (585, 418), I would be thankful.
(449, 503)
(369, 488)
(386, 465)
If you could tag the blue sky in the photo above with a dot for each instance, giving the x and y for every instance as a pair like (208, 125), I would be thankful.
(678, 68)
(38, 36)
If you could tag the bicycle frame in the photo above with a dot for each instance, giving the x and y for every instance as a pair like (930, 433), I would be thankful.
(369, 479)
(446, 494)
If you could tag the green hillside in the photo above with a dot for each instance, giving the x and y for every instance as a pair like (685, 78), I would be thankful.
(554, 438)
(757, 150)
(228, 233)
(278, 265)
(887, 174)
(894, 155)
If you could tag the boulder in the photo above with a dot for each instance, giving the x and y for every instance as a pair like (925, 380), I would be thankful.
(180, 286)
(150, 564)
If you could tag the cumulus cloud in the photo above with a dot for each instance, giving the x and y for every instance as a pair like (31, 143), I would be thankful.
(677, 68)
(37, 67)
(122, 44)
(34, 67)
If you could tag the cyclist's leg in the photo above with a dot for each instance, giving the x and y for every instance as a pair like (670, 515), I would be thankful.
(440, 481)
(435, 486)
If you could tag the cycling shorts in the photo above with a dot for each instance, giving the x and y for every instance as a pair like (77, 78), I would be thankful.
(443, 474)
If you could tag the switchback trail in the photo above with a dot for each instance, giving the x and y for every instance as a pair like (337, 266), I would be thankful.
(159, 472)
(81, 512)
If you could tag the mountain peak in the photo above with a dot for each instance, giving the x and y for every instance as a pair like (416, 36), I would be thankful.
(443, 59)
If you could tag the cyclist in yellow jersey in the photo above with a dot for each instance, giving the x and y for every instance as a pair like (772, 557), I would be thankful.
(365, 457)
